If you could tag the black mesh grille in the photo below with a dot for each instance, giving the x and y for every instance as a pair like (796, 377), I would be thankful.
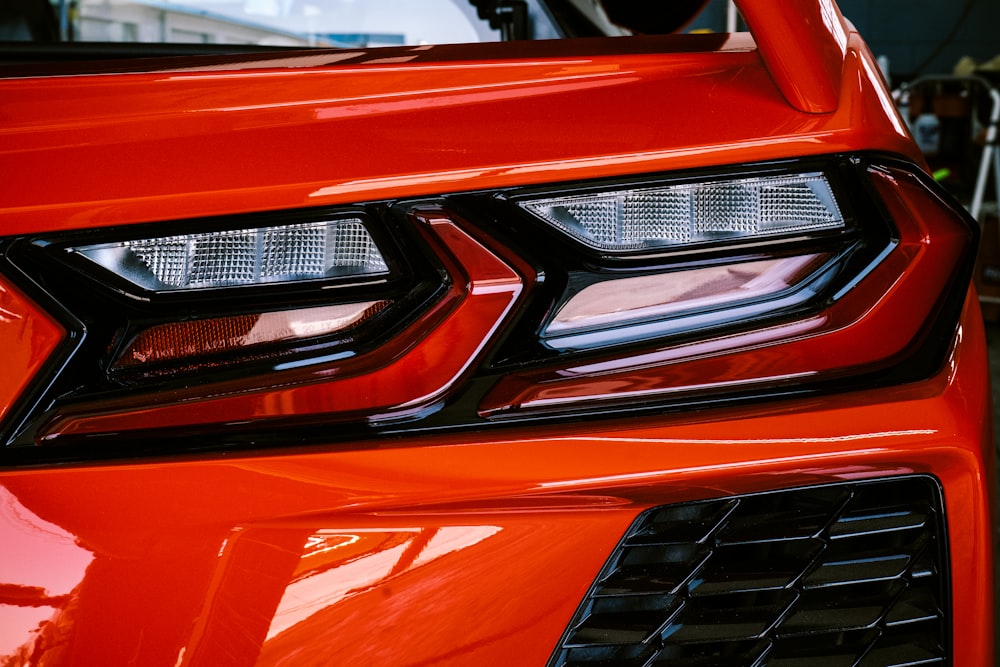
(841, 574)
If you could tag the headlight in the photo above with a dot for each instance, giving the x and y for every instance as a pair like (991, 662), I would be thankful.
(652, 292)
(691, 213)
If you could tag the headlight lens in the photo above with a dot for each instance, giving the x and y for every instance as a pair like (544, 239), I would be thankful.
(229, 258)
(692, 213)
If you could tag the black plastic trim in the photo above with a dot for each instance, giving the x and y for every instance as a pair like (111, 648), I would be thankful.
(852, 573)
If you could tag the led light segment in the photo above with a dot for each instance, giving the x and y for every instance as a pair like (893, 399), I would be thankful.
(178, 341)
(694, 212)
(262, 255)
(656, 296)
(643, 307)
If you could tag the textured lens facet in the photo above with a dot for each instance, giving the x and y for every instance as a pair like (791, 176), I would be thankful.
(694, 212)
(289, 253)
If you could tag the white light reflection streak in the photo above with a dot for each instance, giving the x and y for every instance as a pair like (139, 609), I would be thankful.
(324, 541)
(756, 463)
(304, 598)
(761, 441)
(454, 538)
(831, 20)
(312, 594)
(884, 98)
(760, 338)
(450, 95)
(810, 143)
(645, 393)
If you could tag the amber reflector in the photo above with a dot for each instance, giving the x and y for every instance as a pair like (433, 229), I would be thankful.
(178, 341)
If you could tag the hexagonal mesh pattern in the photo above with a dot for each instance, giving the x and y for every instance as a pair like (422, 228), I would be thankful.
(845, 574)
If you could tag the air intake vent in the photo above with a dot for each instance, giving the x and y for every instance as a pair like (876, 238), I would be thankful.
(842, 574)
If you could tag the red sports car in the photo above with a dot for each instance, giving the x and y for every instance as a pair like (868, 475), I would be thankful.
(345, 348)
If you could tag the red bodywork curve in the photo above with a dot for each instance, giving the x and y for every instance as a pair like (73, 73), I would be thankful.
(465, 550)
(156, 146)
(28, 337)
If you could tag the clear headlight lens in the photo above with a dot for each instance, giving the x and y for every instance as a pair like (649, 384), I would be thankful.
(691, 213)
(262, 255)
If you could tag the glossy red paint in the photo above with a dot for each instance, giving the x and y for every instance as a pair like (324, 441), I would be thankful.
(157, 146)
(28, 337)
(458, 549)
(806, 64)
(409, 374)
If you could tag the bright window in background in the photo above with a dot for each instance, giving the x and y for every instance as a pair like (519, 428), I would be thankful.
(343, 23)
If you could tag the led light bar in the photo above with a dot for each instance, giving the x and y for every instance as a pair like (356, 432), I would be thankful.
(661, 295)
(692, 213)
(262, 255)
(180, 341)
(639, 307)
